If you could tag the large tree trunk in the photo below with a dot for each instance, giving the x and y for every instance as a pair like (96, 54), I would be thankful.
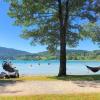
(63, 28)
(62, 69)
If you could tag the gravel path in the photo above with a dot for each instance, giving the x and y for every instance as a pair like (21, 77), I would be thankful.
(48, 87)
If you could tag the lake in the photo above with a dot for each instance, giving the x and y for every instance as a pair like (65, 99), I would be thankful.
(51, 67)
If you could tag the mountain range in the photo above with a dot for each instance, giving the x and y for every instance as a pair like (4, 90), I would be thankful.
(9, 53)
(12, 52)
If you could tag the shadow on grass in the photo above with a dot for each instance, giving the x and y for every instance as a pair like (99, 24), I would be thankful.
(93, 84)
(8, 82)
(5, 82)
(77, 77)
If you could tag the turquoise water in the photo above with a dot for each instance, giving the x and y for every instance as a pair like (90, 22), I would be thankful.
(51, 67)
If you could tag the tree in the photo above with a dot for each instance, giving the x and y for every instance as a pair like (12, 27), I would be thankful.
(54, 22)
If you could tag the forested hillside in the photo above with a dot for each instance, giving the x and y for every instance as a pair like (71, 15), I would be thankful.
(71, 55)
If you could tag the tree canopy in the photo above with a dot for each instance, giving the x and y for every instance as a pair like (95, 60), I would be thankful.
(41, 20)
(92, 31)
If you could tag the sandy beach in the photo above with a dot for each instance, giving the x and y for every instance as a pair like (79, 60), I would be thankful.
(48, 87)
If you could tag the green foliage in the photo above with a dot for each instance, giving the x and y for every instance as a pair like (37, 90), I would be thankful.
(91, 30)
(40, 19)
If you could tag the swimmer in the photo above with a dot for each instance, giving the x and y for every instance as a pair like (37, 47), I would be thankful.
(38, 63)
(48, 63)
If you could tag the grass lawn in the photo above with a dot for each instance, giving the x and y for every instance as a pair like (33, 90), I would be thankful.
(55, 78)
(54, 97)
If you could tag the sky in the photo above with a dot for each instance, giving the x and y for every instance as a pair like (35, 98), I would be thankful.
(10, 35)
